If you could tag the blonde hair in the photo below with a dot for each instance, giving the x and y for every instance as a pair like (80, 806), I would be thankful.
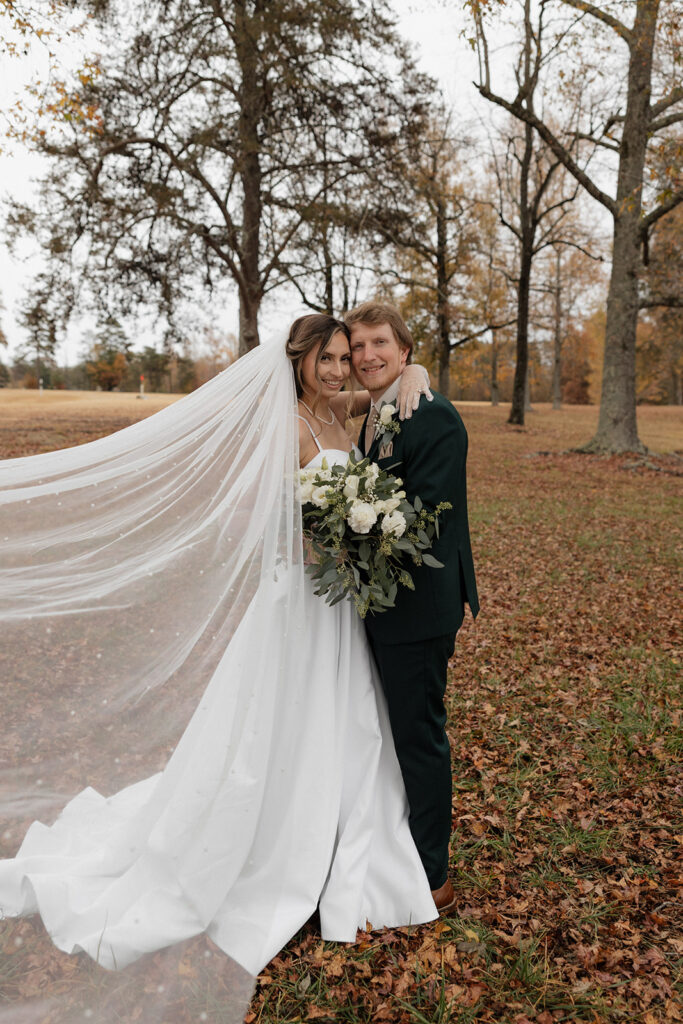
(375, 312)
(304, 334)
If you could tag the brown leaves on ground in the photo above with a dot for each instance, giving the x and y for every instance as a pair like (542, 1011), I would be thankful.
(565, 723)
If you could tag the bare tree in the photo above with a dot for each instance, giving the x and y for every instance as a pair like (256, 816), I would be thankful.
(566, 279)
(424, 227)
(535, 195)
(627, 131)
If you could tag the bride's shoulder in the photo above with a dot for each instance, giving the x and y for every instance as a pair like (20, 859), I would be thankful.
(308, 449)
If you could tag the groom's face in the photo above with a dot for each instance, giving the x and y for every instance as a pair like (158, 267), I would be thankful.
(377, 357)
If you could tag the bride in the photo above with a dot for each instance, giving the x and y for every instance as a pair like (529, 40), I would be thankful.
(160, 643)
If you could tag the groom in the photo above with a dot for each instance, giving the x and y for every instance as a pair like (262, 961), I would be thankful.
(413, 641)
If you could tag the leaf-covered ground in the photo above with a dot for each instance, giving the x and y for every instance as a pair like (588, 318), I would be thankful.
(565, 723)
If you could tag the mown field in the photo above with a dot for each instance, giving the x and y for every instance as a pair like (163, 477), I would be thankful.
(565, 722)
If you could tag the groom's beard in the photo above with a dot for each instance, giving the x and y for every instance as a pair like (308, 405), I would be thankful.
(376, 383)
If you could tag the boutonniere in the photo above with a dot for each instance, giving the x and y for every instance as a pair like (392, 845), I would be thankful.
(387, 425)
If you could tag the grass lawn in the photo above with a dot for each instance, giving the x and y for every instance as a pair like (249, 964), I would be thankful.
(565, 722)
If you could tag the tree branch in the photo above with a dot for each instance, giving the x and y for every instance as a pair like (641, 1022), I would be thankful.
(522, 114)
(667, 301)
(659, 211)
(666, 101)
(476, 334)
(572, 245)
(608, 19)
(664, 122)
(597, 142)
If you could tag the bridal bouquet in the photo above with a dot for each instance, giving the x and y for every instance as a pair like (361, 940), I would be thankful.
(360, 528)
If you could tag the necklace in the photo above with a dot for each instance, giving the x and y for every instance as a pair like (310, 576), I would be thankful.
(315, 415)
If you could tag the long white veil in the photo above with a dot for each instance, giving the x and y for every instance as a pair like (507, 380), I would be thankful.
(137, 575)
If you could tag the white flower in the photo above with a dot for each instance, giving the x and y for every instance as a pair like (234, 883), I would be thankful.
(394, 523)
(371, 474)
(319, 496)
(385, 505)
(306, 490)
(352, 485)
(391, 504)
(386, 414)
(361, 517)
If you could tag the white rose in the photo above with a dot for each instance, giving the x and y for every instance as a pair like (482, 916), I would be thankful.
(385, 505)
(394, 523)
(386, 414)
(371, 473)
(361, 517)
(319, 496)
(391, 504)
(351, 486)
(306, 491)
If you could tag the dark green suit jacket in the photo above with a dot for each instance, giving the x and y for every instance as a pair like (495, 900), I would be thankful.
(430, 454)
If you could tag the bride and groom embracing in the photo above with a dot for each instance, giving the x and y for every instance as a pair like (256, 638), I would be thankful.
(314, 772)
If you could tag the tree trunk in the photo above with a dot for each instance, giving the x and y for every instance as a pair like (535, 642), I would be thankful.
(527, 390)
(251, 101)
(526, 238)
(676, 387)
(495, 391)
(327, 255)
(249, 336)
(557, 347)
(444, 339)
(520, 382)
(617, 428)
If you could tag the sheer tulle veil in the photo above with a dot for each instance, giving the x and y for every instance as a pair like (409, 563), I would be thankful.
(149, 590)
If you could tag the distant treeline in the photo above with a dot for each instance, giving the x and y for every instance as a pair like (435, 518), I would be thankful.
(481, 370)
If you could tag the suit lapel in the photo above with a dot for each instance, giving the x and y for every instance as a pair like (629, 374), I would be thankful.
(373, 450)
(361, 436)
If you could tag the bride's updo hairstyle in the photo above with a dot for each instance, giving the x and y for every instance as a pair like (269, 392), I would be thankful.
(304, 334)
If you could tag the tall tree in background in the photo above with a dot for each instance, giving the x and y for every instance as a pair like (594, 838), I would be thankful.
(329, 259)
(424, 226)
(534, 193)
(42, 315)
(3, 336)
(210, 114)
(567, 279)
(660, 344)
(647, 28)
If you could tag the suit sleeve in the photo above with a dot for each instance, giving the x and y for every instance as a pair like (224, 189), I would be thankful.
(435, 453)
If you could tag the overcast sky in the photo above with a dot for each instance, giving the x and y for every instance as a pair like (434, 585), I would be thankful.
(434, 26)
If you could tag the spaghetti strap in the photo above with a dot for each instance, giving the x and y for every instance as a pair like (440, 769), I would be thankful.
(317, 442)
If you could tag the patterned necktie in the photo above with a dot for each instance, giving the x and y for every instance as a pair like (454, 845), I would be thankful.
(370, 428)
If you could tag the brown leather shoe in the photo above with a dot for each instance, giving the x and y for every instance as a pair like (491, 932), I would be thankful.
(444, 898)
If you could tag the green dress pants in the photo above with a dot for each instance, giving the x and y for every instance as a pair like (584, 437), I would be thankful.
(414, 681)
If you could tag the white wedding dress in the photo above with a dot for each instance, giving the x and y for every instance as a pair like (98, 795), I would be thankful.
(210, 844)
